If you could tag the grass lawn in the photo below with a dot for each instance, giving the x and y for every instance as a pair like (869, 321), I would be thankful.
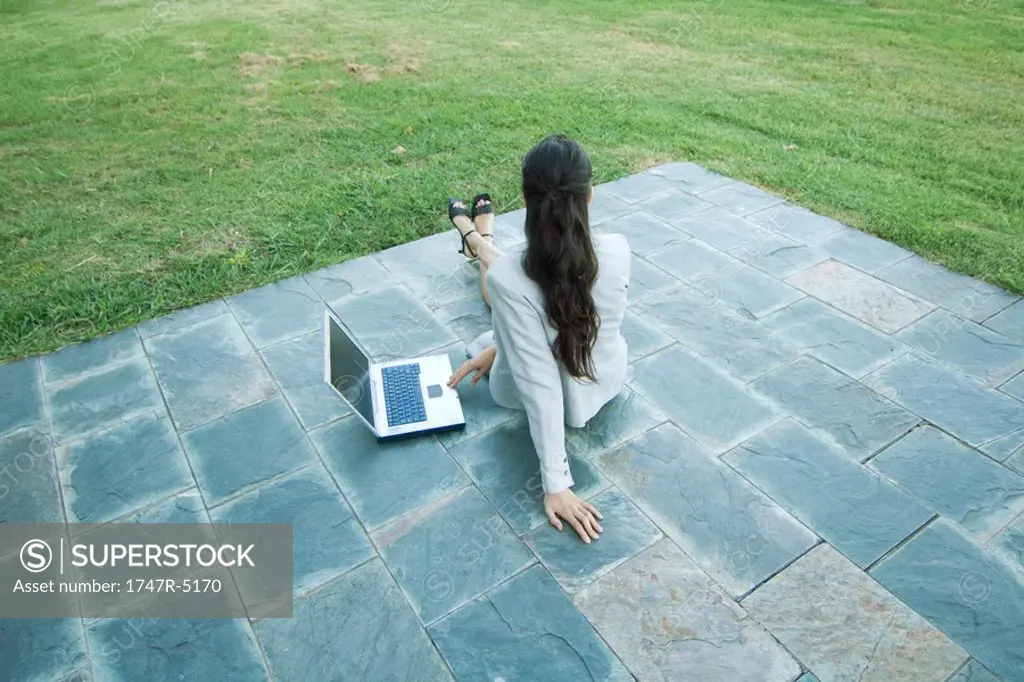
(155, 155)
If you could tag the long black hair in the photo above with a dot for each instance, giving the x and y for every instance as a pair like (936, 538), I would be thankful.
(559, 254)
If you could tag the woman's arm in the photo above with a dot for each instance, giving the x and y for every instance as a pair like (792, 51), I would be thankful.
(536, 376)
(538, 379)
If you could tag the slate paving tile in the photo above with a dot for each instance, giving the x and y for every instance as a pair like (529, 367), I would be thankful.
(973, 672)
(208, 370)
(962, 295)
(645, 233)
(278, 311)
(510, 229)
(740, 198)
(73, 361)
(525, 629)
(21, 396)
(690, 177)
(969, 347)
(100, 400)
(863, 251)
(392, 324)
(1005, 448)
(645, 280)
(358, 627)
(641, 338)
(351, 278)
(1009, 322)
(962, 406)
(627, 532)
(1014, 387)
(743, 347)
(833, 337)
(183, 318)
(1016, 462)
(859, 420)
(664, 616)
(729, 232)
(637, 187)
(860, 295)
(298, 367)
(797, 223)
(504, 464)
(246, 448)
(673, 205)
(707, 404)
(175, 649)
(958, 482)
(184, 508)
(459, 551)
(42, 648)
(118, 470)
(973, 598)
(731, 529)
(692, 259)
(723, 280)
(433, 269)
(853, 508)
(385, 481)
(845, 626)
(28, 481)
(606, 206)
(625, 416)
(779, 256)
(468, 318)
(327, 539)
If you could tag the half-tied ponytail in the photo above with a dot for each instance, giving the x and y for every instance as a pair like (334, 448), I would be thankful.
(559, 254)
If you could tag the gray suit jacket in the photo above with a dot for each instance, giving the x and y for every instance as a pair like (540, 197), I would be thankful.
(525, 374)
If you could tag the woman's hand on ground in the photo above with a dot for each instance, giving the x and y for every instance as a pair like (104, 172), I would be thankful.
(581, 515)
(481, 364)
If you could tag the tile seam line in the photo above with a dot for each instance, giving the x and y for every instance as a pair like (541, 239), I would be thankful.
(59, 384)
(426, 625)
(900, 545)
(951, 368)
(55, 464)
(253, 487)
(912, 498)
(202, 498)
(819, 541)
(184, 326)
(1001, 310)
(305, 434)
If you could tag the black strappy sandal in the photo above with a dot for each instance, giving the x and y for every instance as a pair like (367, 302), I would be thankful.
(454, 211)
(486, 208)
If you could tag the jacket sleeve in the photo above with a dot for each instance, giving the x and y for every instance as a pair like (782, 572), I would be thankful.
(535, 372)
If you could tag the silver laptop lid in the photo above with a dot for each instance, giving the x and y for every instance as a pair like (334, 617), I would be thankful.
(347, 369)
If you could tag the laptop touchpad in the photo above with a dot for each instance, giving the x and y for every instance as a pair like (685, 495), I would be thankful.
(434, 391)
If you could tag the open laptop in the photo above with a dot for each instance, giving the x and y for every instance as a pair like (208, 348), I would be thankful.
(396, 398)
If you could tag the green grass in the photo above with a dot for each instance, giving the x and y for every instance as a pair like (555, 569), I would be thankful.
(235, 142)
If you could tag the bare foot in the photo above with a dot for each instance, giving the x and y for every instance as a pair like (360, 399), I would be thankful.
(484, 221)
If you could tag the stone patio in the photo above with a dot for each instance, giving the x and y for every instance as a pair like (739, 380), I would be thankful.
(815, 473)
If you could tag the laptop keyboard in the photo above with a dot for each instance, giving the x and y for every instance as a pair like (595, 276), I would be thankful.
(402, 395)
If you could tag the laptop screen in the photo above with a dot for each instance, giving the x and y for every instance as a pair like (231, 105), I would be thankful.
(349, 370)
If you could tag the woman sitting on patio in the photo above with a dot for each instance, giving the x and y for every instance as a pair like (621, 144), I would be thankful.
(556, 350)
